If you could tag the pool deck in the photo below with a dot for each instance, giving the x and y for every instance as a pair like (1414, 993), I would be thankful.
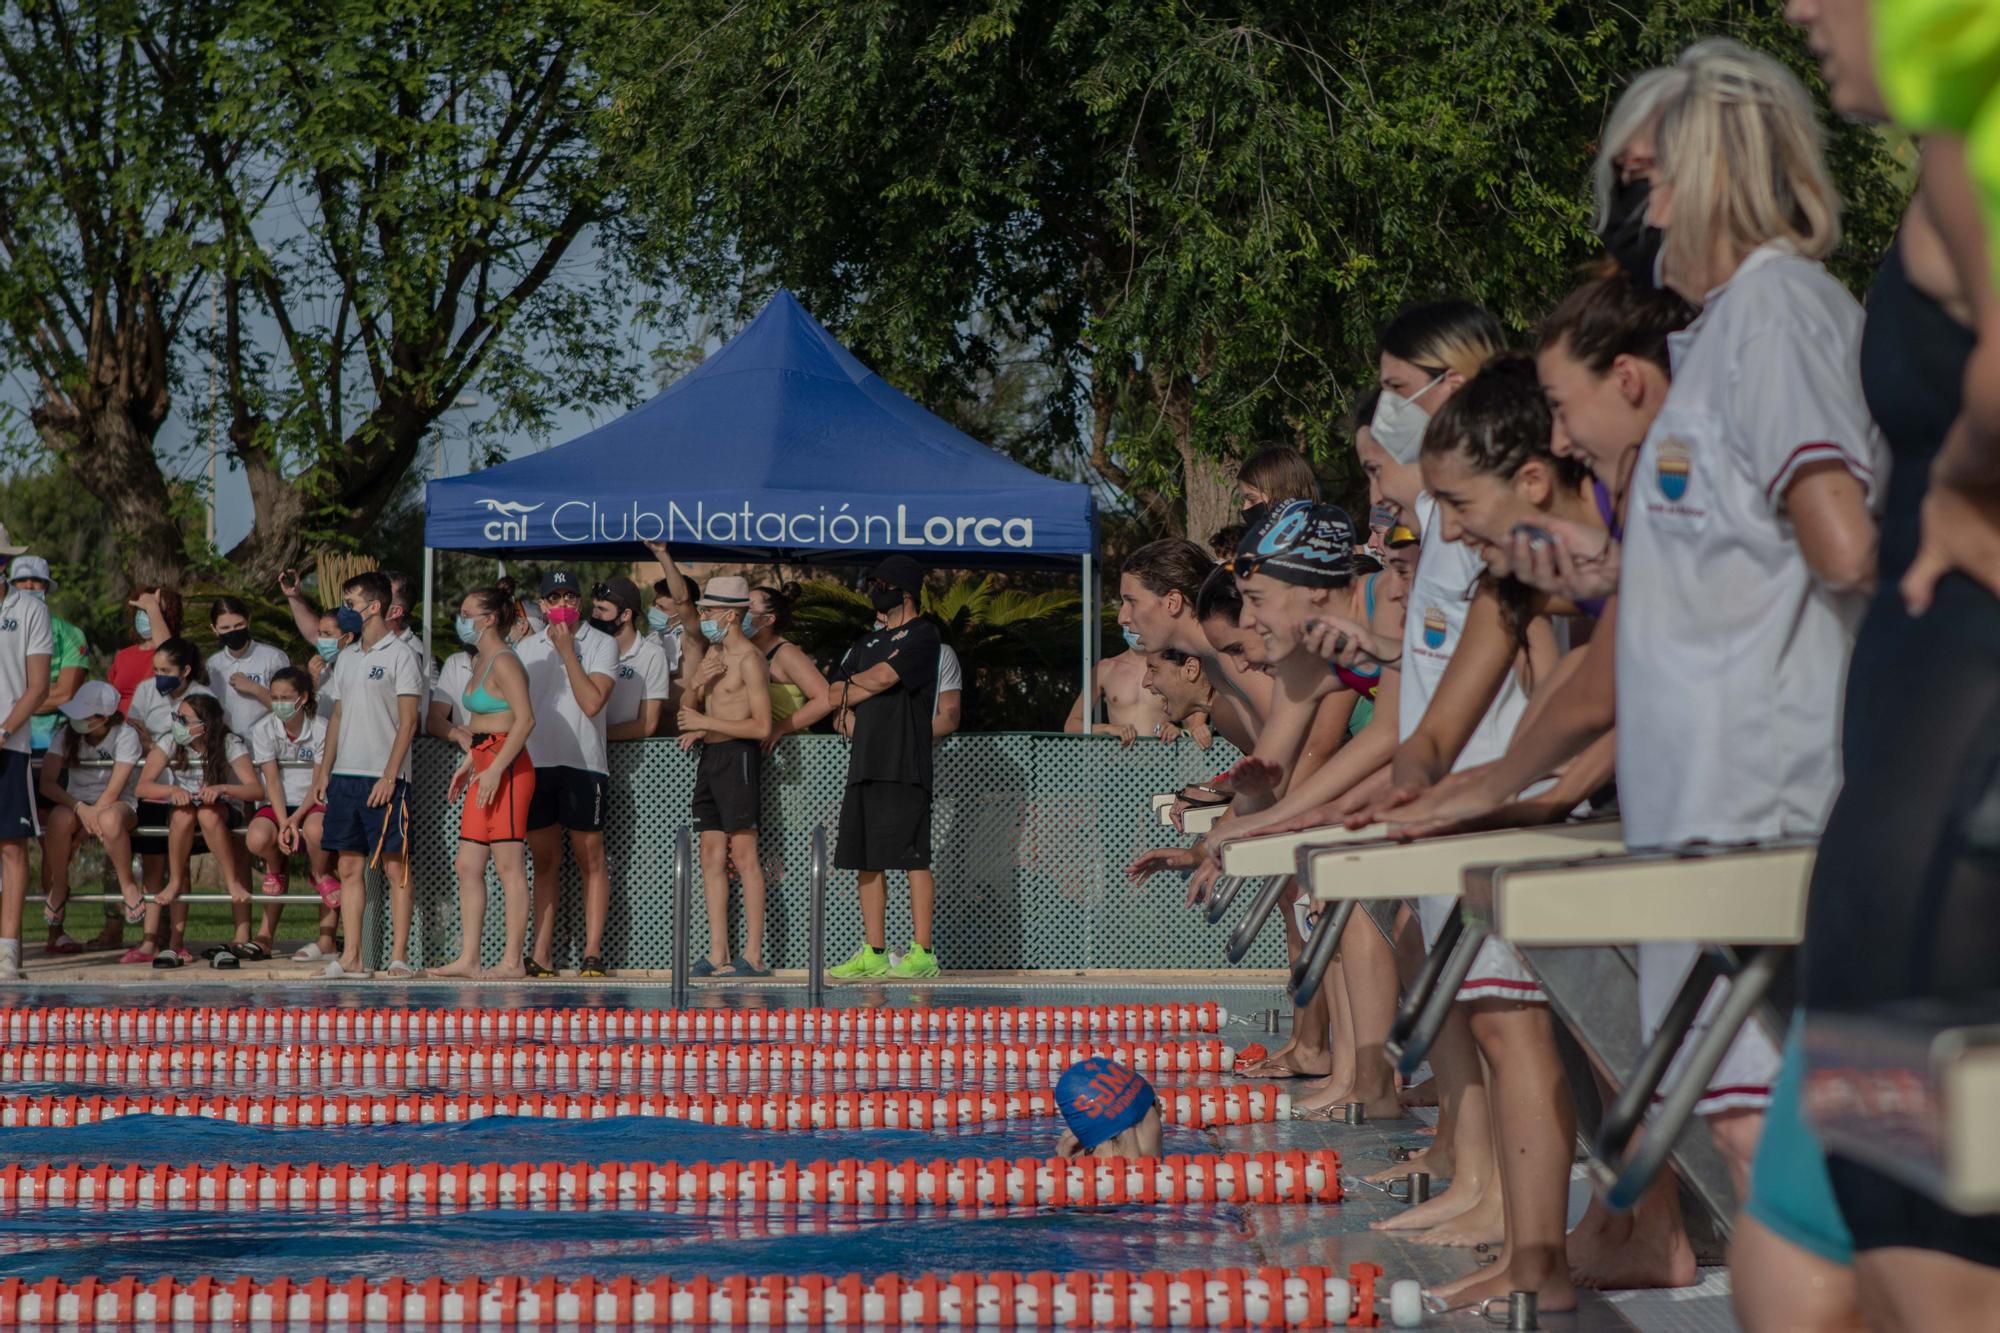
(1301, 1235)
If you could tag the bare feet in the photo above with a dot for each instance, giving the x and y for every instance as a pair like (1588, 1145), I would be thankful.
(1484, 1223)
(1553, 1290)
(1251, 775)
(464, 969)
(1462, 1197)
(1646, 1248)
(1434, 1161)
(1289, 1061)
(504, 972)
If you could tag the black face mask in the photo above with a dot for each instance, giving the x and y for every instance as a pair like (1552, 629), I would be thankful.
(236, 640)
(1634, 244)
(604, 626)
(885, 600)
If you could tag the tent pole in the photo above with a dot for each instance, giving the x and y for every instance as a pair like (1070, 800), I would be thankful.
(1089, 597)
(430, 570)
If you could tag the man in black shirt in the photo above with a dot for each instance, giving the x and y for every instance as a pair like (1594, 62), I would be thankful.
(883, 694)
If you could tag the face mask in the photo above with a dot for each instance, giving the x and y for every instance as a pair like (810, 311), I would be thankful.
(142, 624)
(328, 648)
(885, 600)
(1634, 244)
(1398, 425)
(39, 594)
(1131, 640)
(468, 633)
(166, 684)
(562, 615)
(754, 625)
(284, 709)
(236, 640)
(350, 620)
(603, 626)
(658, 620)
(713, 632)
(183, 733)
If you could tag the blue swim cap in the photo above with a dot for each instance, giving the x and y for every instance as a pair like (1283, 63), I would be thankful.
(1101, 1099)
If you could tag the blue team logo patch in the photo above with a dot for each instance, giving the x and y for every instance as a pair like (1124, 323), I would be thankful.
(374, 673)
(1434, 628)
(1670, 467)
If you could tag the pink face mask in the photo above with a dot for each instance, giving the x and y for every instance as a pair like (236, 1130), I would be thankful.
(562, 615)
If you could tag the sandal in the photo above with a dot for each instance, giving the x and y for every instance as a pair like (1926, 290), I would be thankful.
(171, 958)
(739, 966)
(1248, 1058)
(61, 945)
(536, 970)
(274, 883)
(329, 890)
(138, 953)
(593, 966)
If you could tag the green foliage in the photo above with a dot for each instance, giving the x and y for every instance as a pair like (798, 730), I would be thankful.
(1192, 217)
(354, 211)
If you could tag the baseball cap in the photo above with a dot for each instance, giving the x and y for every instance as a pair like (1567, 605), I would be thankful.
(899, 571)
(29, 567)
(1299, 542)
(729, 592)
(557, 580)
(1101, 1099)
(93, 698)
(620, 591)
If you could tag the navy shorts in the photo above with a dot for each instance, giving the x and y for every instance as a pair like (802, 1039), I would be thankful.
(17, 796)
(352, 825)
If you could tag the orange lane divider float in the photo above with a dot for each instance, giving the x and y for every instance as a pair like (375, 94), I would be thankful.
(966, 1182)
(343, 1065)
(603, 1024)
(1199, 1108)
(1196, 1297)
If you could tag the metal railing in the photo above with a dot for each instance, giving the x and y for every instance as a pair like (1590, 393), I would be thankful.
(683, 912)
(816, 931)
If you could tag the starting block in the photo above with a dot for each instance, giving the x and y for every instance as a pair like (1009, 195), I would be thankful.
(1744, 905)
(1912, 1090)
(1278, 853)
(1201, 819)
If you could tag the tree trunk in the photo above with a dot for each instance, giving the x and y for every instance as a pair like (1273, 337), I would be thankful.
(110, 451)
(1207, 484)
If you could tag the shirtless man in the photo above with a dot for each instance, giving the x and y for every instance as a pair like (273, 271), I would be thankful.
(1176, 679)
(728, 711)
(1132, 710)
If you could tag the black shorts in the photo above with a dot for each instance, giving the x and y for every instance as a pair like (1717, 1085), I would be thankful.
(726, 796)
(152, 814)
(18, 817)
(884, 826)
(575, 798)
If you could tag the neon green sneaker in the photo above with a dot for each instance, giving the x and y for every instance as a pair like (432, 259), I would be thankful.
(866, 962)
(918, 962)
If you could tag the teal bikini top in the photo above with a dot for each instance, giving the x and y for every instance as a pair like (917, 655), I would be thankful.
(478, 700)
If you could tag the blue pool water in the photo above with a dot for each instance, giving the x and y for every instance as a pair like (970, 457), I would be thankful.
(681, 1240)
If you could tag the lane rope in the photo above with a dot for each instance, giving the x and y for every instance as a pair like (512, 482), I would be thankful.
(966, 1182)
(343, 1066)
(336, 1024)
(1199, 1108)
(1307, 1297)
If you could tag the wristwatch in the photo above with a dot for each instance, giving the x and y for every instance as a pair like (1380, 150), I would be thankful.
(6, 734)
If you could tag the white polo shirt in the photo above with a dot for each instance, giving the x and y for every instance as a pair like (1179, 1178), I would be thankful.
(1433, 620)
(294, 755)
(563, 737)
(25, 632)
(192, 778)
(155, 711)
(260, 661)
(1731, 657)
(642, 674)
(368, 682)
(449, 689)
(951, 676)
(121, 745)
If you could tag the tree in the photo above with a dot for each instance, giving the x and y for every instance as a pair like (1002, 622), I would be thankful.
(371, 203)
(1195, 215)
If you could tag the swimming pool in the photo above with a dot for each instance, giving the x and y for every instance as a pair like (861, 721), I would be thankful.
(330, 1159)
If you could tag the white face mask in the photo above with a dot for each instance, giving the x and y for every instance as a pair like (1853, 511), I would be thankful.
(1399, 423)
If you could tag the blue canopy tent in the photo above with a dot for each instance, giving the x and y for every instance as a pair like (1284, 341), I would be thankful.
(781, 446)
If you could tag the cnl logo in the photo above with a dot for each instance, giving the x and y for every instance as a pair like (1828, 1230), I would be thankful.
(512, 523)
(1434, 628)
(1671, 468)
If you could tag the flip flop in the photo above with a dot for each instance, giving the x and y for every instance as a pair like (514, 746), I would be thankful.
(1248, 1058)
(135, 916)
(739, 966)
(62, 946)
(137, 954)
